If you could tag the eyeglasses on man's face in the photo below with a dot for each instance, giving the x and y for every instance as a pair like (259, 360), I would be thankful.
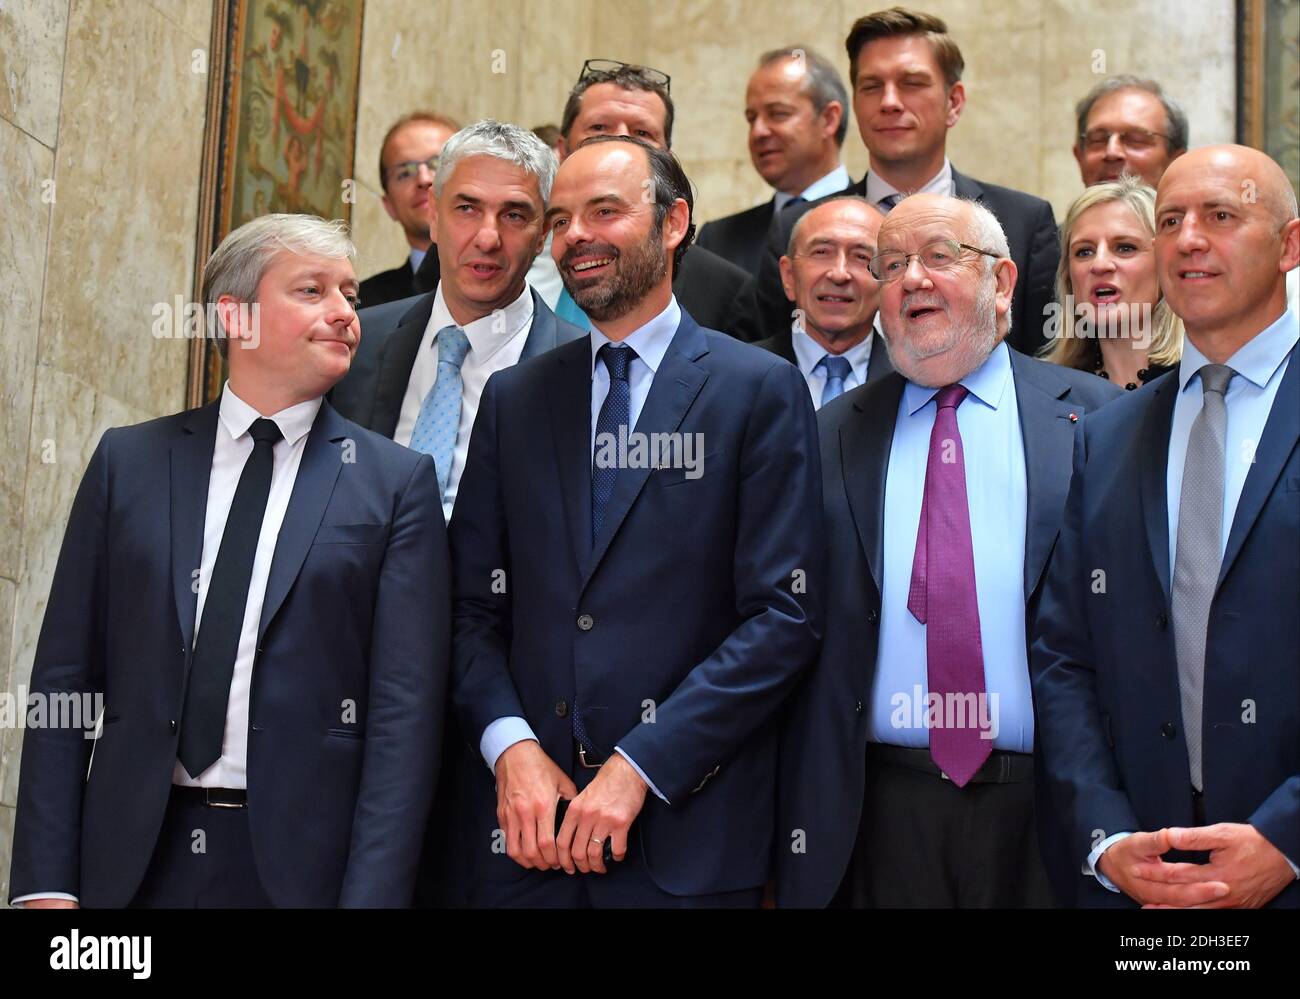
(889, 265)
(594, 67)
(1097, 139)
(408, 170)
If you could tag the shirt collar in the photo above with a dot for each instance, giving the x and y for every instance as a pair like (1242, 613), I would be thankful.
(987, 383)
(808, 352)
(416, 258)
(940, 183)
(650, 342)
(1256, 360)
(294, 422)
(833, 183)
(487, 335)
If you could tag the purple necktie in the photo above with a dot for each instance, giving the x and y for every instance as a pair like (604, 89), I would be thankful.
(946, 584)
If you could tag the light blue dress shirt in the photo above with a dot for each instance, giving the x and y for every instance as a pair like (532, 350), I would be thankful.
(809, 353)
(1259, 366)
(833, 183)
(651, 343)
(994, 452)
(417, 258)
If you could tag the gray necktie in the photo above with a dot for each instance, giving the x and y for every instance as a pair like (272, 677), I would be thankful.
(1199, 551)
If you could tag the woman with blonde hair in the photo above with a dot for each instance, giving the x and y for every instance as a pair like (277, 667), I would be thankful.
(1113, 319)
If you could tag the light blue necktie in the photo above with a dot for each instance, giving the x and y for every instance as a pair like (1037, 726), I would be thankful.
(439, 419)
(837, 369)
(567, 309)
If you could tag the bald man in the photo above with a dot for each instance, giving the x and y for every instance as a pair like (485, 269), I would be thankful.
(907, 765)
(826, 274)
(1171, 752)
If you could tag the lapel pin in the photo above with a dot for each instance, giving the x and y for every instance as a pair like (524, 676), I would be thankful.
(1074, 417)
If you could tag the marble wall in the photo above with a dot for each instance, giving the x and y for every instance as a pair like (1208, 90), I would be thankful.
(1027, 63)
(101, 129)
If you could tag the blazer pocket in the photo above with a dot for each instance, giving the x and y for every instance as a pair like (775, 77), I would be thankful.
(1293, 485)
(676, 476)
(351, 534)
(346, 733)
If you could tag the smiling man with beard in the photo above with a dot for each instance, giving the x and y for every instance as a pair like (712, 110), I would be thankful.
(944, 484)
(625, 635)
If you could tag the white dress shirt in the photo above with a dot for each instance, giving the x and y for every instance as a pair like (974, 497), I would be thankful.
(651, 343)
(808, 354)
(495, 342)
(940, 183)
(233, 446)
(833, 183)
(544, 276)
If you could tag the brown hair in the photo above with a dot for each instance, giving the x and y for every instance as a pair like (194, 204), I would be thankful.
(428, 116)
(899, 22)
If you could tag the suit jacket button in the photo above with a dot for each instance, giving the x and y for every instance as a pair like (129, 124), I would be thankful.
(171, 726)
(586, 622)
(561, 709)
(1168, 730)
(873, 616)
(1162, 622)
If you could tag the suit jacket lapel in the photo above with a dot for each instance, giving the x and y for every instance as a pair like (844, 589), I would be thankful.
(569, 393)
(966, 187)
(1275, 446)
(541, 335)
(1048, 435)
(676, 384)
(878, 364)
(865, 443)
(317, 473)
(191, 468)
(395, 366)
(1155, 449)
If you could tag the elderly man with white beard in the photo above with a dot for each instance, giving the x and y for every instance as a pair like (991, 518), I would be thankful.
(944, 484)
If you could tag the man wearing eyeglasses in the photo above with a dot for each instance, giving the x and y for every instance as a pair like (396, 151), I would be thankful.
(826, 273)
(408, 159)
(616, 98)
(907, 767)
(1128, 125)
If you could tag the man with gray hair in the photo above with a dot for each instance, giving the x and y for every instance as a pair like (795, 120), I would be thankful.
(425, 360)
(1127, 124)
(944, 484)
(797, 110)
(257, 594)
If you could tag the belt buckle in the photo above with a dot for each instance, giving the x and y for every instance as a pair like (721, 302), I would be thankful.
(582, 758)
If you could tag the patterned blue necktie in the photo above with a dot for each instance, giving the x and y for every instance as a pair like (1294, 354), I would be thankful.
(837, 369)
(567, 309)
(889, 202)
(439, 419)
(614, 413)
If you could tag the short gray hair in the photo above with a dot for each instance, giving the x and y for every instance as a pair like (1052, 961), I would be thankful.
(821, 83)
(503, 142)
(798, 223)
(239, 262)
(1175, 117)
(989, 235)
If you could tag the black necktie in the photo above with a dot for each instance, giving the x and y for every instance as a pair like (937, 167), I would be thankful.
(203, 723)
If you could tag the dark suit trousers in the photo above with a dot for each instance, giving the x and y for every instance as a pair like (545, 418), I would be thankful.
(625, 885)
(214, 870)
(924, 842)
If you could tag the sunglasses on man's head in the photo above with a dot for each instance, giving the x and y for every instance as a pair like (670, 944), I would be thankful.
(595, 67)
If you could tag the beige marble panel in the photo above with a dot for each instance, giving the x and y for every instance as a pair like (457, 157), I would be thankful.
(131, 132)
(32, 34)
(69, 419)
(8, 599)
(194, 17)
(25, 165)
(6, 852)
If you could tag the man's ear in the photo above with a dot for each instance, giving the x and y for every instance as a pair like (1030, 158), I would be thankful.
(676, 222)
(562, 149)
(956, 102)
(388, 207)
(233, 315)
(1004, 272)
(787, 277)
(1078, 158)
(832, 114)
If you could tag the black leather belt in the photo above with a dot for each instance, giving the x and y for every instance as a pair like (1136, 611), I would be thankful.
(1001, 767)
(213, 797)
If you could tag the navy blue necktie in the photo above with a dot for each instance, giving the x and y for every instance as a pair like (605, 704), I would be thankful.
(615, 413)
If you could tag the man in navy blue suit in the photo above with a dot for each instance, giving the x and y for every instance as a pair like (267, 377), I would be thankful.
(637, 575)
(258, 592)
(907, 762)
(1165, 671)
